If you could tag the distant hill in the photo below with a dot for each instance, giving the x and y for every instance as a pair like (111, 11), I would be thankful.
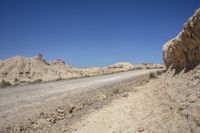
(20, 69)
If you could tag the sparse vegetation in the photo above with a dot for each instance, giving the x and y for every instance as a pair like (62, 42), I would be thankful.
(160, 72)
(5, 83)
(37, 81)
(58, 79)
(22, 82)
(16, 80)
(148, 67)
(27, 73)
(138, 68)
(152, 75)
(116, 91)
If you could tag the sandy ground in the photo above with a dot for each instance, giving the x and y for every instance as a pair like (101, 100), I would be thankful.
(168, 104)
(130, 104)
(139, 111)
(51, 107)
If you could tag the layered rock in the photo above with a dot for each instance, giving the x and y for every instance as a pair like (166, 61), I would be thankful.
(20, 69)
(31, 68)
(124, 65)
(183, 52)
(59, 64)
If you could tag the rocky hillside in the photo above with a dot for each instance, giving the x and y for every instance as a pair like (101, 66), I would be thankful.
(32, 68)
(181, 82)
(183, 52)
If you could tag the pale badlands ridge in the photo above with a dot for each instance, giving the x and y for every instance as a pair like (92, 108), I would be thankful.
(19, 69)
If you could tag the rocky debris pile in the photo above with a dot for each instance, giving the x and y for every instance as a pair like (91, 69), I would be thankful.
(182, 93)
(184, 50)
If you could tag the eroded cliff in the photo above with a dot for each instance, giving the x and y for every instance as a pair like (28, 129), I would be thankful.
(183, 52)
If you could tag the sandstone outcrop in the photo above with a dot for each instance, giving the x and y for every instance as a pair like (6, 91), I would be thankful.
(30, 69)
(121, 65)
(183, 52)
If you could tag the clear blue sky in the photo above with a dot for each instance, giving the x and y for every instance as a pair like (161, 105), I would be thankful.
(91, 32)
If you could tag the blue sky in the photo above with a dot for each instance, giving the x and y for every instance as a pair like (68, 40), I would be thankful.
(87, 33)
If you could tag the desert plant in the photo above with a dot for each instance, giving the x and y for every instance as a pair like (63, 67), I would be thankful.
(116, 91)
(58, 79)
(23, 82)
(152, 75)
(5, 83)
(148, 68)
(37, 81)
(159, 72)
(16, 80)
(137, 68)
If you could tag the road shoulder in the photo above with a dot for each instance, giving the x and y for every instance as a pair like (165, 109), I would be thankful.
(56, 115)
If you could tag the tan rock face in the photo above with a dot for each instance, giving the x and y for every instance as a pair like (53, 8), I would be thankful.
(30, 69)
(183, 52)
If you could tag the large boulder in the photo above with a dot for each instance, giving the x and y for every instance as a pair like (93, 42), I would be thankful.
(183, 52)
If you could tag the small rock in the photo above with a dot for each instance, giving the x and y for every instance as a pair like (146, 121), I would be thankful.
(43, 123)
(32, 122)
(21, 128)
(60, 117)
(125, 94)
(102, 97)
(60, 111)
(66, 131)
(141, 130)
(71, 108)
(53, 120)
(41, 114)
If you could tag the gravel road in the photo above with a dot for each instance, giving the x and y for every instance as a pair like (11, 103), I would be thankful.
(15, 102)
(10, 97)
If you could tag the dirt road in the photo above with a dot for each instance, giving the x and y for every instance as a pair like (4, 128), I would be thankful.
(140, 111)
(21, 95)
(17, 104)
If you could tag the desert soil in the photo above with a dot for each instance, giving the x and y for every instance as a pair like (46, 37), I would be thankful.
(168, 104)
(52, 107)
(140, 110)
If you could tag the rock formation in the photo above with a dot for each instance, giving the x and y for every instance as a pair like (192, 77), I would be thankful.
(20, 69)
(183, 52)
(124, 65)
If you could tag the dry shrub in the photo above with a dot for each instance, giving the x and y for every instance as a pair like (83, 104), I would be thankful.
(152, 75)
(5, 83)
